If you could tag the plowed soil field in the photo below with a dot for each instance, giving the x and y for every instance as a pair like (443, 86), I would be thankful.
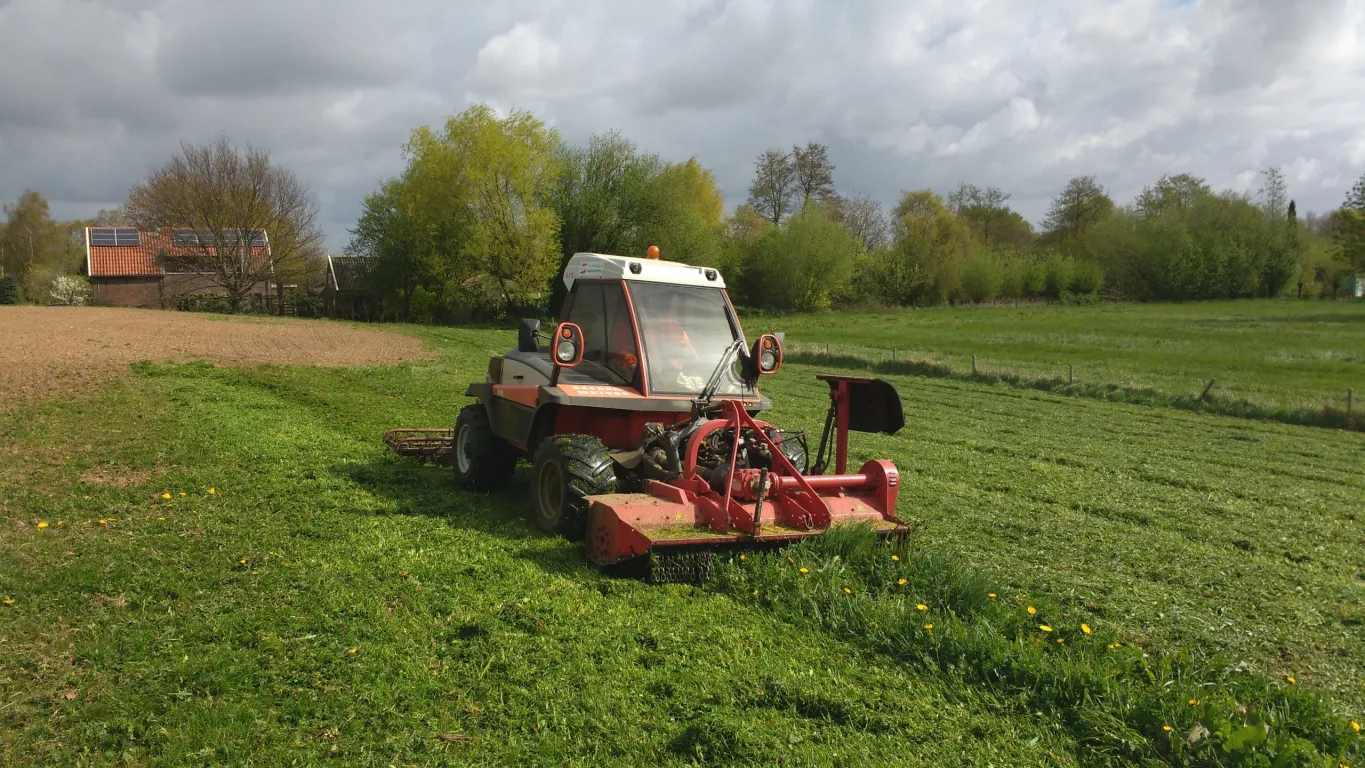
(54, 352)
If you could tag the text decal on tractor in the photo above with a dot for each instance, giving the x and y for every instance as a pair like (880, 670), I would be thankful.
(640, 420)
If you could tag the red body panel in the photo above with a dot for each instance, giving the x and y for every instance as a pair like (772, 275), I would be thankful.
(688, 512)
(620, 430)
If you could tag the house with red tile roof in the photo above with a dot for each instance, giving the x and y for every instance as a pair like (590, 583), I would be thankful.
(136, 268)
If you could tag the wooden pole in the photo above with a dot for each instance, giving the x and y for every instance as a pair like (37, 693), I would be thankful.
(1071, 374)
(973, 365)
(1350, 401)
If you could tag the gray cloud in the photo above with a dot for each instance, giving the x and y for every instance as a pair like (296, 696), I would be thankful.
(1022, 96)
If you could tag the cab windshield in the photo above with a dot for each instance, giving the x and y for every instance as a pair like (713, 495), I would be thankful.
(686, 330)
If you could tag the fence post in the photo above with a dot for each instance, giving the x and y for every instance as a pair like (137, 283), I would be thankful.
(827, 349)
(893, 354)
(1350, 401)
(973, 365)
(1071, 374)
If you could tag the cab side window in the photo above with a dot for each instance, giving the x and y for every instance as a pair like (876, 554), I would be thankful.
(608, 339)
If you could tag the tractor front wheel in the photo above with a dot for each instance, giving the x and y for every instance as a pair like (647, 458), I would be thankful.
(567, 469)
(482, 460)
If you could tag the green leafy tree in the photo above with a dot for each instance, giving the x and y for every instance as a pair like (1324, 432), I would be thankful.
(605, 196)
(482, 192)
(30, 238)
(404, 255)
(982, 276)
(924, 263)
(802, 265)
(1348, 229)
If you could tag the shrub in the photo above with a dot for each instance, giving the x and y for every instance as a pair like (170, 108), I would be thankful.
(9, 290)
(982, 276)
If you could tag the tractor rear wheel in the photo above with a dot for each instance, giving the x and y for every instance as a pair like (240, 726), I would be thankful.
(567, 469)
(482, 460)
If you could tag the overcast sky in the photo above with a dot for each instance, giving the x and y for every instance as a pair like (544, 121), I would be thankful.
(1021, 94)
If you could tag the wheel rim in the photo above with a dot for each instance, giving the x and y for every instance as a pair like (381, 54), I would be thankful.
(464, 453)
(550, 491)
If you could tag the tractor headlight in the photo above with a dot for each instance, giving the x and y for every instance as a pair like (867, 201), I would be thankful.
(565, 351)
(767, 360)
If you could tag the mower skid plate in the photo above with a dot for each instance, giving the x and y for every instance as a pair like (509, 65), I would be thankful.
(622, 526)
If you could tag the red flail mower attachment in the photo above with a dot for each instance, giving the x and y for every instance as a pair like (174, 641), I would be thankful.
(758, 506)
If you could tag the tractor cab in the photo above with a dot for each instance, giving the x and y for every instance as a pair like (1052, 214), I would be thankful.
(638, 327)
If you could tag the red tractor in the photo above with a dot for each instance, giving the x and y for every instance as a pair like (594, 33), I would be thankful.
(639, 417)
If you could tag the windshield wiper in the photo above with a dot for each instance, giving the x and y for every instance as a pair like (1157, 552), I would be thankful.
(712, 384)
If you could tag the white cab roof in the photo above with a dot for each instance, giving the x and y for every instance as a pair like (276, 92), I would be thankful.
(600, 266)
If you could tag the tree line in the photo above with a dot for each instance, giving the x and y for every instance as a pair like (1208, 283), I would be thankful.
(489, 209)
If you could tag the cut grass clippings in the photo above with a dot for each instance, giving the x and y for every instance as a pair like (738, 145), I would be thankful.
(1121, 703)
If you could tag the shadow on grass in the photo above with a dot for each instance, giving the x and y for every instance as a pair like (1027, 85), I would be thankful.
(424, 488)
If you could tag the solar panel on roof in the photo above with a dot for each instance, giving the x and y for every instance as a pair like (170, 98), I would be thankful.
(103, 237)
(127, 237)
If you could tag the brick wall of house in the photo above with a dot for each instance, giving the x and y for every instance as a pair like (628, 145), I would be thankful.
(127, 291)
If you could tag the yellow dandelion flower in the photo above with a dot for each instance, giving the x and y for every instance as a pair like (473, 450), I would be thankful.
(212, 492)
(1045, 627)
(166, 495)
(741, 558)
(1290, 678)
(928, 626)
(895, 558)
(182, 494)
(1166, 728)
(161, 518)
(901, 582)
(103, 521)
(1193, 702)
(921, 607)
(1085, 628)
(847, 591)
(352, 650)
(42, 524)
(1060, 641)
(1113, 645)
(1355, 726)
(242, 561)
(991, 595)
(8, 601)
(803, 570)
(1032, 611)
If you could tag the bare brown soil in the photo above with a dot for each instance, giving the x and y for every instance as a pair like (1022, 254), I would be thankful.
(58, 352)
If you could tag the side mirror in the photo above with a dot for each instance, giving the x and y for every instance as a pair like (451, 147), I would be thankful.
(566, 350)
(528, 337)
(765, 358)
(768, 352)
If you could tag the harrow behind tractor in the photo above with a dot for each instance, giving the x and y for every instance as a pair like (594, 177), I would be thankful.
(641, 420)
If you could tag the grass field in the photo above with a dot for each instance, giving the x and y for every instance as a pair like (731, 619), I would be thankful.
(1276, 352)
(310, 598)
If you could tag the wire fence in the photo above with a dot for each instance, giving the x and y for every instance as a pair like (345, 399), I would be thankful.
(1091, 380)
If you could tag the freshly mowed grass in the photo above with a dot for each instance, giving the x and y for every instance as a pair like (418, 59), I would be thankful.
(330, 600)
(1276, 352)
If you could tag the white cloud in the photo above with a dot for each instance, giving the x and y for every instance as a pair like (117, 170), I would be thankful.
(1019, 95)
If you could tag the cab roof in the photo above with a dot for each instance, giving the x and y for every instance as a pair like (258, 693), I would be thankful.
(602, 266)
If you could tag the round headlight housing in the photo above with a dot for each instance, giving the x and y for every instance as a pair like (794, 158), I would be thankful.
(767, 360)
(565, 351)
